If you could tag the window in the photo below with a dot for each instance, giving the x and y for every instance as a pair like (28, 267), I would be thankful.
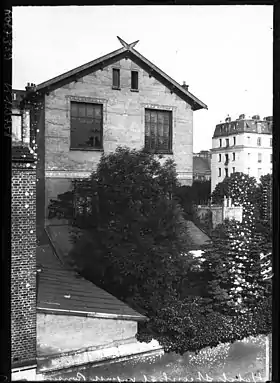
(220, 157)
(158, 130)
(271, 142)
(220, 172)
(259, 157)
(226, 159)
(233, 156)
(16, 128)
(259, 141)
(226, 172)
(134, 80)
(86, 126)
(234, 140)
(227, 142)
(116, 78)
(220, 142)
(233, 169)
(259, 172)
(271, 158)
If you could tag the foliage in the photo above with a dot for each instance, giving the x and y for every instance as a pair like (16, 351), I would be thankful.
(243, 190)
(135, 245)
(189, 196)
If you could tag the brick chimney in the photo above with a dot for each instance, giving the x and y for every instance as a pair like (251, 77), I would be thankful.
(185, 86)
(228, 119)
(30, 87)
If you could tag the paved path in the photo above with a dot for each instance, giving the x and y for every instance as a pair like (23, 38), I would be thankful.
(198, 237)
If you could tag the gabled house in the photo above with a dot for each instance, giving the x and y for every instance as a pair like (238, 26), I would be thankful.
(118, 99)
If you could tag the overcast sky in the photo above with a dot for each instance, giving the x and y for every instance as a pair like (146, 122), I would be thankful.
(224, 53)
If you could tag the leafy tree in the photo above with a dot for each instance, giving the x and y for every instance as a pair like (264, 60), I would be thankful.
(135, 245)
(243, 190)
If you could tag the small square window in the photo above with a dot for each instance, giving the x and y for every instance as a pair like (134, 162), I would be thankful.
(134, 80)
(116, 78)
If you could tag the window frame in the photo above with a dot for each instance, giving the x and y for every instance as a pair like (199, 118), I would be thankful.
(118, 86)
(133, 89)
(87, 148)
(170, 136)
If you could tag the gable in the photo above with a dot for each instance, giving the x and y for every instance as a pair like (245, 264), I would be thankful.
(111, 58)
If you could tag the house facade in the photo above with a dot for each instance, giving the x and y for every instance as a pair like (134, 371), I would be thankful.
(243, 145)
(118, 99)
(202, 166)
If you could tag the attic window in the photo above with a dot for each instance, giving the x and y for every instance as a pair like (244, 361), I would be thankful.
(116, 78)
(134, 80)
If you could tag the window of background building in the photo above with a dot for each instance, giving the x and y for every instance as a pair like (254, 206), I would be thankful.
(220, 142)
(248, 140)
(233, 156)
(227, 142)
(116, 78)
(259, 172)
(134, 80)
(220, 172)
(158, 130)
(233, 169)
(220, 157)
(271, 158)
(248, 171)
(259, 141)
(226, 172)
(226, 159)
(271, 142)
(259, 157)
(86, 126)
(234, 140)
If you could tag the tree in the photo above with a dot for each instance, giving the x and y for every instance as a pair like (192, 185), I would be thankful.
(135, 245)
(243, 190)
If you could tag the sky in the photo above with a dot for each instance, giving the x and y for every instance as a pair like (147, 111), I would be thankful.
(224, 53)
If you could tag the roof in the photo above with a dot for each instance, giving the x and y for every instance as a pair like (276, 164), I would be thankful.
(201, 165)
(198, 237)
(127, 51)
(62, 291)
(243, 126)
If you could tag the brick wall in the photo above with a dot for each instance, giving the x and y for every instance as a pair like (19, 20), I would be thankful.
(23, 264)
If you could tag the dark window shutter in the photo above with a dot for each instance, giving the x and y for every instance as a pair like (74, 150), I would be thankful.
(116, 78)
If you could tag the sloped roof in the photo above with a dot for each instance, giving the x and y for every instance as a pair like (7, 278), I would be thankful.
(62, 291)
(243, 126)
(201, 165)
(127, 51)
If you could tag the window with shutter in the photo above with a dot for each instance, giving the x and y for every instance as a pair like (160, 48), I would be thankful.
(86, 126)
(158, 130)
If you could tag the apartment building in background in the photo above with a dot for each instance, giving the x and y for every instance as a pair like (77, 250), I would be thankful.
(202, 165)
(243, 145)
